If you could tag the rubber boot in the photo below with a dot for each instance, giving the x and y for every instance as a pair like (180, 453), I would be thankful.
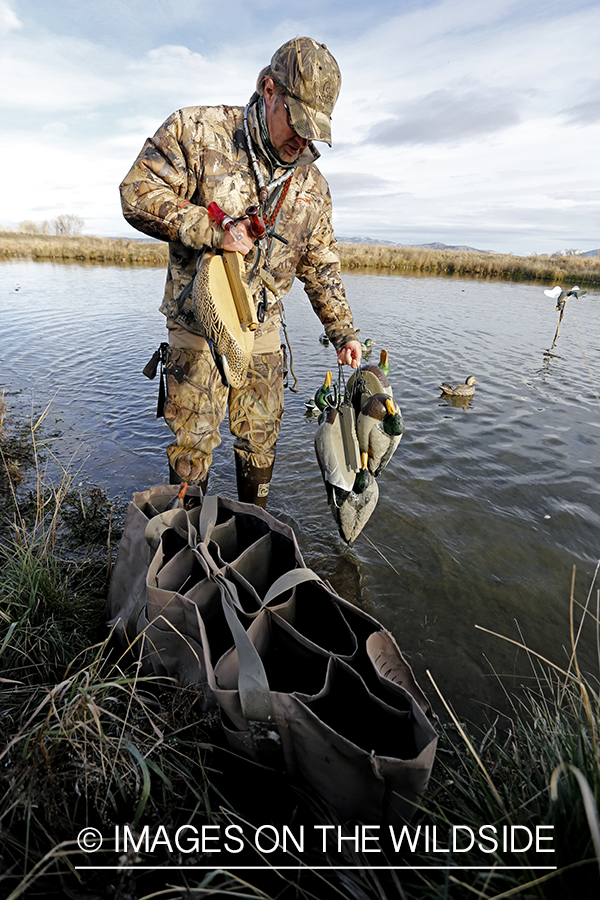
(175, 478)
(252, 483)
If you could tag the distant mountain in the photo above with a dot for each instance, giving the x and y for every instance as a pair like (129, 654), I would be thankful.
(365, 240)
(435, 245)
(592, 253)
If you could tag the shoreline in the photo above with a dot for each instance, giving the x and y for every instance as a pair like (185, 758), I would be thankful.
(557, 268)
(54, 569)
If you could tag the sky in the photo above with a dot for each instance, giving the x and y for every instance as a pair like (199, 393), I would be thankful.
(464, 122)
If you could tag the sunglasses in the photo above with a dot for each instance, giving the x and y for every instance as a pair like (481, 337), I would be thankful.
(288, 114)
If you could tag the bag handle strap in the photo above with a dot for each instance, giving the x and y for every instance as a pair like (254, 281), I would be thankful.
(253, 686)
(208, 517)
(287, 581)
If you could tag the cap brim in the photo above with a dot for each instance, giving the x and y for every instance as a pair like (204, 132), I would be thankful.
(309, 123)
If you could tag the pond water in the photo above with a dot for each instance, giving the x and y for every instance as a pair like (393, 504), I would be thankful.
(484, 509)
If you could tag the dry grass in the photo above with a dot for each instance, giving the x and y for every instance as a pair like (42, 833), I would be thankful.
(541, 768)
(83, 248)
(555, 269)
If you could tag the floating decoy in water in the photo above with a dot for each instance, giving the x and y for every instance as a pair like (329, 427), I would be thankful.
(367, 347)
(379, 427)
(324, 340)
(560, 296)
(458, 389)
(383, 363)
(311, 407)
(326, 394)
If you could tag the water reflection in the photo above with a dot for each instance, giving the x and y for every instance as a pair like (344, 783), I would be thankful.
(456, 402)
(485, 507)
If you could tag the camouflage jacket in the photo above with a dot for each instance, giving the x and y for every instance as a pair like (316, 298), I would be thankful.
(200, 155)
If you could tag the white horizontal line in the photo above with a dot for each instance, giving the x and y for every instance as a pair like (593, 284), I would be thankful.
(308, 868)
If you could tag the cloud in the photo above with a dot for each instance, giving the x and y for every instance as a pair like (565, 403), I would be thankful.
(446, 116)
(587, 112)
(8, 19)
(353, 183)
(60, 74)
(578, 196)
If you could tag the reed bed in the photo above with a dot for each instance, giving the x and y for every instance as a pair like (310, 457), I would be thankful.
(555, 269)
(81, 248)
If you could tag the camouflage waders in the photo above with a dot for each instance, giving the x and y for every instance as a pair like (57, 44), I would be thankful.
(196, 406)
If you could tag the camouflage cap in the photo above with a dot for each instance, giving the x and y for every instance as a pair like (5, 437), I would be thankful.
(312, 80)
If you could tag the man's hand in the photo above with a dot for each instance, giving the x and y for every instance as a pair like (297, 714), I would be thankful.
(350, 355)
(245, 244)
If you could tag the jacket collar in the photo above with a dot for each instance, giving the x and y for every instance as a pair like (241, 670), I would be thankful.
(309, 155)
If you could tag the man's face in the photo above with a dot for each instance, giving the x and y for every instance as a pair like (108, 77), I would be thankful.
(287, 144)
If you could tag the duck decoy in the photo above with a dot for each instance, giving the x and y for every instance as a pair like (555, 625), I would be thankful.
(367, 347)
(311, 407)
(363, 477)
(365, 382)
(379, 428)
(561, 296)
(326, 395)
(459, 389)
(352, 492)
(383, 363)
(323, 339)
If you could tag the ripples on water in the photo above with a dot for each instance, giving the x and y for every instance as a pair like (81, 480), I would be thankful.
(483, 511)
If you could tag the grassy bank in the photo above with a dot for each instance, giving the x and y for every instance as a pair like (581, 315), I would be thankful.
(85, 741)
(555, 269)
(116, 251)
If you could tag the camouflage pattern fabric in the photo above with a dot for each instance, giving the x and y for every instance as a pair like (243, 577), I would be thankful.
(196, 406)
(199, 155)
(312, 80)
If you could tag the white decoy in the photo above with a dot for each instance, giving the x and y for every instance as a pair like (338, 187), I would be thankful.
(560, 296)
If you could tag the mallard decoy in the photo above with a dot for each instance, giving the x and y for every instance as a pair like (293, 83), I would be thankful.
(352, 492)
(379, 428)
(363, 476)
(561, 296)
(367, 347)
(326, 395)
(311, 407)
(458, 389)
(383, 363)
(365, 382)
(324, 340)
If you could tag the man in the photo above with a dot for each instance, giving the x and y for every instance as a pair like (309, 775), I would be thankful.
(261, 156)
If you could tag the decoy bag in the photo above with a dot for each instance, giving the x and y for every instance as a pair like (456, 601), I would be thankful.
(220, 597)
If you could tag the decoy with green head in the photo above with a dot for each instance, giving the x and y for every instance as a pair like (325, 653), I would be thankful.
(561, 296)
(352, 494)
(326, 395)
(379, 428)
(363, 476)
(367, 347)
(383, 363)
